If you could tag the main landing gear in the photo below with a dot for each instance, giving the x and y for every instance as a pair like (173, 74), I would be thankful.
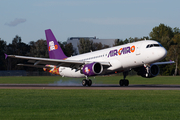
(87, 82)
(124, 82)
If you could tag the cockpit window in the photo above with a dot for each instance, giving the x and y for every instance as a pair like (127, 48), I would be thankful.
(156, 45)
(153, 45)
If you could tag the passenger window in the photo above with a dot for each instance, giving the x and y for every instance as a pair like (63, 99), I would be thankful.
(147, 46)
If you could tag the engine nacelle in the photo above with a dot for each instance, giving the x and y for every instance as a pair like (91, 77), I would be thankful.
(52, 69)
(92, 69)
(148, 72)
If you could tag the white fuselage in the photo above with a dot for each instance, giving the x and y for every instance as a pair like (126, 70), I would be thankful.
(121, 58)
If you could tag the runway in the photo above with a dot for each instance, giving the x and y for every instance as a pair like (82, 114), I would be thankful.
(93, 87)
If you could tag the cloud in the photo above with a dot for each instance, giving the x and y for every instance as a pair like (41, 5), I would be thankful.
(16, 22)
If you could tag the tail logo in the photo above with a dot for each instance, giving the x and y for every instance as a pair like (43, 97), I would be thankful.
(52, 46)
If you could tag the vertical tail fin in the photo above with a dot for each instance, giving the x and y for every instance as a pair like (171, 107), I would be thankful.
(55, 51)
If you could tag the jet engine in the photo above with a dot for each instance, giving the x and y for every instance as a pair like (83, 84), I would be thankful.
(148, 71)
(92, 69)
(51, 69)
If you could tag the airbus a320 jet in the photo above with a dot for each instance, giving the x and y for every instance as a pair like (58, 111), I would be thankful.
(142, 56)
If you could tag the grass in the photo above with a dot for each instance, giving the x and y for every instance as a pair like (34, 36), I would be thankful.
(29, 79)
(89, 104)
(167, 80)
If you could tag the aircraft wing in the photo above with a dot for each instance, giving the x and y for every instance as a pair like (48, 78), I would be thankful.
(42, 62)
(161, 63)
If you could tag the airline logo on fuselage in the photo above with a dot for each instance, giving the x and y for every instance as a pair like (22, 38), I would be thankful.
(87, 70)
(121, 51)
(52, 46)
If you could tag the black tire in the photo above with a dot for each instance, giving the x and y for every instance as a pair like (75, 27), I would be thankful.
(126, 82)
(89, 82)
(84, 82)
(121, 82)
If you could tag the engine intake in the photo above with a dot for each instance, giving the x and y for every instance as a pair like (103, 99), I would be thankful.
(92, 69)
(148, 72)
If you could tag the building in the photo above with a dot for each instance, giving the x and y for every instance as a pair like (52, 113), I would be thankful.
(75, 41)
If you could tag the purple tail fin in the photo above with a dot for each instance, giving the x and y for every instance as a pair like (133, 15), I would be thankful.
(55, 51)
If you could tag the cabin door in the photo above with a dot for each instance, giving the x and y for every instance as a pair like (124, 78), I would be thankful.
(138, 49)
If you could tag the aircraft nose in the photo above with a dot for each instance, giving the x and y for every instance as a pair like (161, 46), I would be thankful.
(162, 52)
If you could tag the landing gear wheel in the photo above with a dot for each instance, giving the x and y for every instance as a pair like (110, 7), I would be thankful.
(89, 82)
(126, 82)
(121, 82)
(84, 82)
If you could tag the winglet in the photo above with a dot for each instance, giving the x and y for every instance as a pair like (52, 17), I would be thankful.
(55, 51)
(171, 61)
(5, 56)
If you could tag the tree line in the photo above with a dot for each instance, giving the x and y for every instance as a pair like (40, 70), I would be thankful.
(33, 49)
(167, 36)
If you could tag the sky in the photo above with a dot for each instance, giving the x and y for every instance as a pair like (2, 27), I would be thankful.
(105, 19)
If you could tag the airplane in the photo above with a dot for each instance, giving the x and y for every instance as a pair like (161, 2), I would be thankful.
(141, 56)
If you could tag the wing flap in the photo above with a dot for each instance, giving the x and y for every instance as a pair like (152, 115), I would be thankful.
(38, 66)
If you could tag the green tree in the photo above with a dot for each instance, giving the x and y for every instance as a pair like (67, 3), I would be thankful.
(85, 45)
(161, 31)
(176, 30)
(126, 41)
(176, 39)
(2, 56)
(173, 54)
(17, 47)
(118, 42)
(174, 51)
(144, 38)
(99, 46)
(39, 49)
(105, 46)
(162, 34)
(62, 46)
(68, 49)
